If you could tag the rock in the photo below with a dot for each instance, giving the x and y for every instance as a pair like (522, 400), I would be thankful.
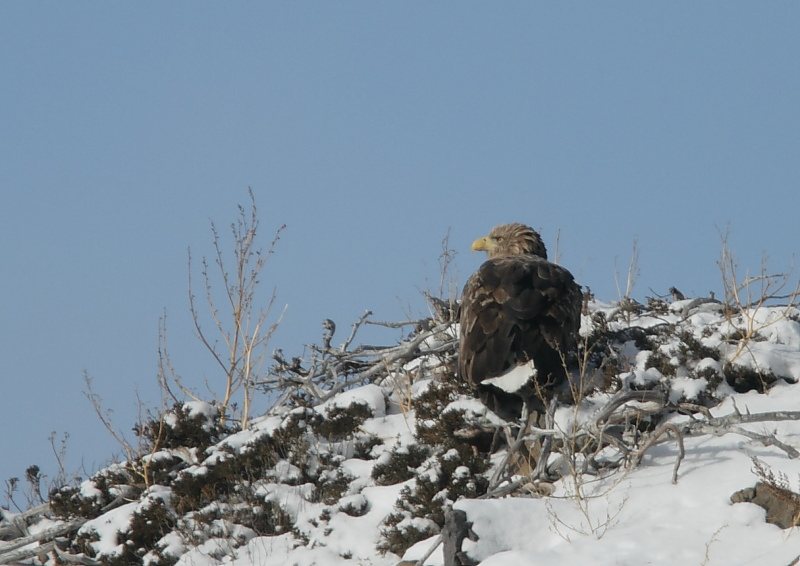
(782, 506)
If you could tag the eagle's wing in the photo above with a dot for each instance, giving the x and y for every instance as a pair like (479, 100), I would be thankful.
(517, 309)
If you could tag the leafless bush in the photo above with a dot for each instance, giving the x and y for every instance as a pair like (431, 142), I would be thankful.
(746, 295)
(241, 329)
(577, 460)
(37, 485)
(447, 286)
(627, 304)
(134, 452)
(631, 274)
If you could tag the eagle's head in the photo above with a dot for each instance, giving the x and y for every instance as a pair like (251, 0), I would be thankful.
(510, 240)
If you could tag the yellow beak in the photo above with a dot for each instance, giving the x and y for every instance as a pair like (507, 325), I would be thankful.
(481, 244)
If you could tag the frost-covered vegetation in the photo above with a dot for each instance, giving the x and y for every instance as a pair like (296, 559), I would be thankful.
(674, 442)
(370, 450)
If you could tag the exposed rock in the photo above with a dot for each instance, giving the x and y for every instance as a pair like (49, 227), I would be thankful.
(782, 506)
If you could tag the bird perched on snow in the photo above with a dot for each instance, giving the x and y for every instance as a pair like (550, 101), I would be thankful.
(520, 316)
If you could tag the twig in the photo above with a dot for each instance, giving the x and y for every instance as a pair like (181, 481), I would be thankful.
(81, 559)
(356, 325)
(430, 551)
(623, 397)
(738, 418)
(765, 439)
(512, 450)
(505, 489)
(540, 471)
(657, 434)
(400, 324)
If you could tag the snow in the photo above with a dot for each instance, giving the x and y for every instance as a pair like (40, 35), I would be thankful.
(173, 544)
(475, 409)
(781, 359)
(265, 425)
(195, 408)
(89, 490)
(641, 518)
(358, 536)
(110, 527)
(358, 468)
(627, 517)
(107, 526)
(286, 472)
(283, 550)
(514, 378)
(686, 388)
(370, 395)
(399, 427)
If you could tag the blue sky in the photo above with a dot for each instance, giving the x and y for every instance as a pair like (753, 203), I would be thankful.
(371, 130)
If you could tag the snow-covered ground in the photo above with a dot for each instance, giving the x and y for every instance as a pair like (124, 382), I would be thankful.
(628, 516)
(640, 517)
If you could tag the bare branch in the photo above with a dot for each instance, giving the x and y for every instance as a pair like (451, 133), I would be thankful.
(654, 438)
(356, 325)
(400, 324)
(241, 330)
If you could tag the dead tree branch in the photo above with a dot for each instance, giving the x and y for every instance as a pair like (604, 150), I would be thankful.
(241, 330)
(15, 551)
(333, 369)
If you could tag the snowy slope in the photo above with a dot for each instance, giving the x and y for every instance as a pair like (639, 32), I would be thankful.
(363, 477)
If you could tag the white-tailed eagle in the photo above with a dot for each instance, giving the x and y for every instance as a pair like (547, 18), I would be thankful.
(518, 310)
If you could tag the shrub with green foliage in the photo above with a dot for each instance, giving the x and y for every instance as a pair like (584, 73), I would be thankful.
(399, 465)
(340, 423)
(182, 426)
(93, 495)
(419, 512)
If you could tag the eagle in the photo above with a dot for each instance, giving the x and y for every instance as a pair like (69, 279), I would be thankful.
(519, 319)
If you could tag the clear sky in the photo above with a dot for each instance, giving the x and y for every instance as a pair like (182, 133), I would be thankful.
(371, 130)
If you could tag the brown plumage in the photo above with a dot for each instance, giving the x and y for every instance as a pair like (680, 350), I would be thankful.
(518, 307)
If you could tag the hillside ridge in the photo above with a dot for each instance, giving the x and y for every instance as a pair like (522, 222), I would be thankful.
(372, 451)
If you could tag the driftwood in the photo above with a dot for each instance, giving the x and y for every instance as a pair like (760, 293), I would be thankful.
(331, 370)
(614, 426)
(45, 541)
(17, 526)
(456, 529)
(14, 557)
(14, 551)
